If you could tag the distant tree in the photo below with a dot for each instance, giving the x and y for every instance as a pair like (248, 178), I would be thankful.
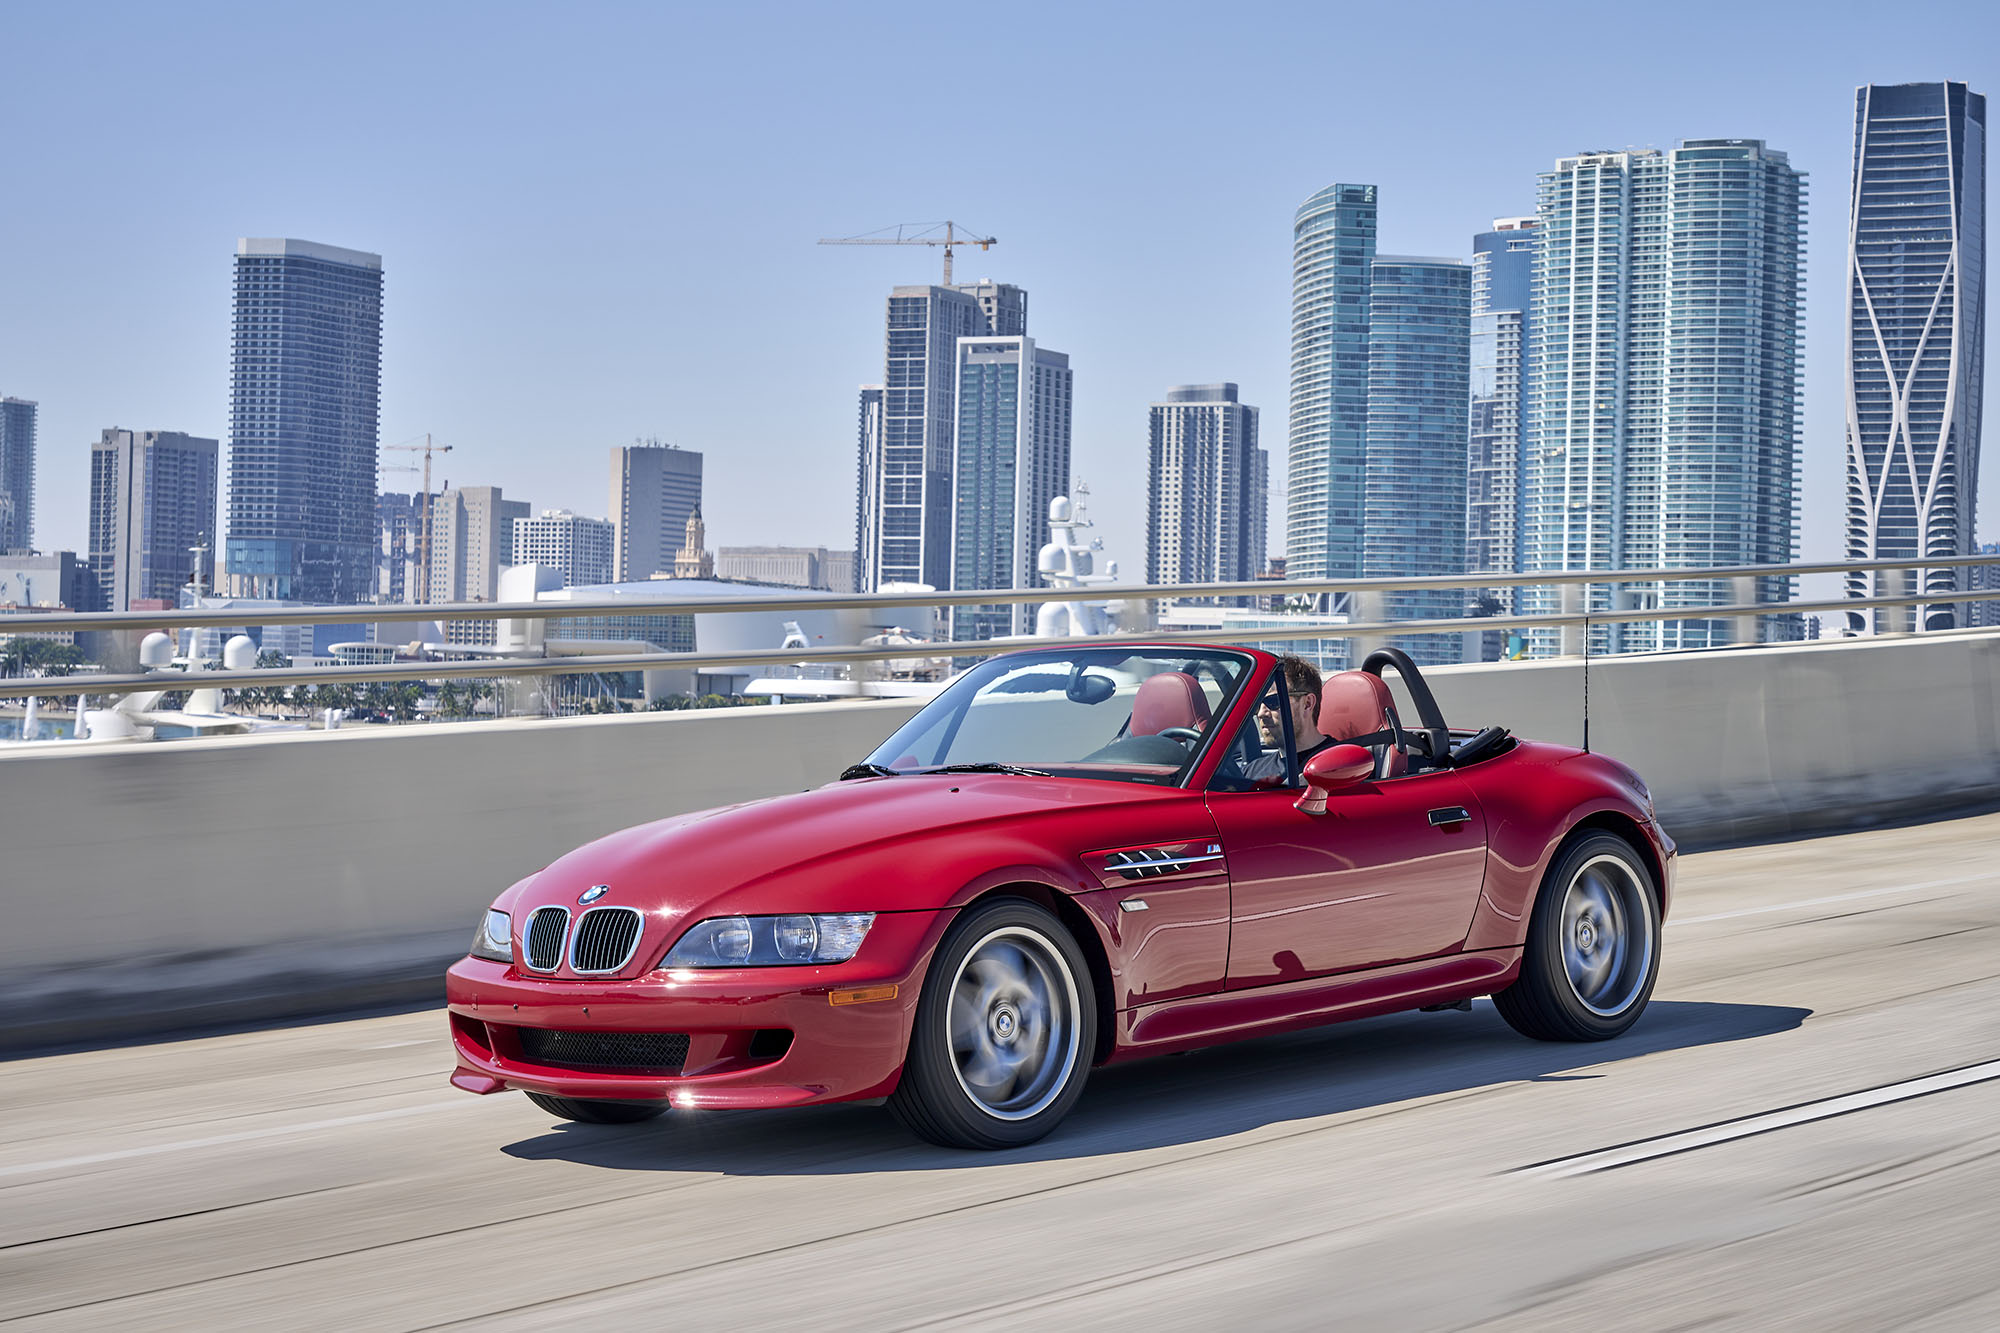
(44, 656)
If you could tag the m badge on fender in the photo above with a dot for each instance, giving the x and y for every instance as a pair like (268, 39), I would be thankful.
(592, 894)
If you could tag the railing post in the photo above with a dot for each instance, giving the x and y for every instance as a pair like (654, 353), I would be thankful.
(1366, 605)
(1897, 618)
(523, 696)
(1742, 592)
(1573, 600)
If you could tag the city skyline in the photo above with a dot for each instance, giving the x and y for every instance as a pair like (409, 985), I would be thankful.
(524, 361)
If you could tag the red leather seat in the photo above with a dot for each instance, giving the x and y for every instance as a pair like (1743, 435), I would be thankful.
(1170, 699)
(1353, 704)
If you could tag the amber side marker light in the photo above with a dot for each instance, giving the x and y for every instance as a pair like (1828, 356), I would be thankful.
(865, 995)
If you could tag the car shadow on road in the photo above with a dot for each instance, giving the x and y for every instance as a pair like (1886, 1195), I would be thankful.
(1174, 1100)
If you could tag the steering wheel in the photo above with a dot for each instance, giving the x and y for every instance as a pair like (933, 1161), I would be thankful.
(1185, 735)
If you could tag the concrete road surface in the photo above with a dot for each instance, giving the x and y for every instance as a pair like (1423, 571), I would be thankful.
(1422, 1171)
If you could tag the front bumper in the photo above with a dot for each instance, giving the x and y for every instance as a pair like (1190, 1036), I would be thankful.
(733, 1019)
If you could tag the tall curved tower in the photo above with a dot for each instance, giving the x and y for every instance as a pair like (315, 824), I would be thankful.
(1916, 254)
(1333, 245)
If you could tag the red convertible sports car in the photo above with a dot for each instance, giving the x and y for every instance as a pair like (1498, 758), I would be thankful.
(1069, 857)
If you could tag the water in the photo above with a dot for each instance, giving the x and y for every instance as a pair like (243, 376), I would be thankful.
(57, 727)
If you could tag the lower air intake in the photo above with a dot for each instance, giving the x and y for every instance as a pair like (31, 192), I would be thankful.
(631, 1052)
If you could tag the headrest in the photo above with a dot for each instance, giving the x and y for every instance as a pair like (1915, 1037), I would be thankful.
(1170, 699)
(1354, 703)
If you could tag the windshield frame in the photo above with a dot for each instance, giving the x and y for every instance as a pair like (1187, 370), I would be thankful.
(958, 695)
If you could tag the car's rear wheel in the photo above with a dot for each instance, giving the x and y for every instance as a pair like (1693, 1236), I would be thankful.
(597, 1112)
(1004, 1031)
(1593, 951)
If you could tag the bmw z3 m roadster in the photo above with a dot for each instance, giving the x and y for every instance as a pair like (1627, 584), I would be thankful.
(1070, 857)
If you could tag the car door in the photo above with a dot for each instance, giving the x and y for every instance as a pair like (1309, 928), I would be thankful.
(1390, 872)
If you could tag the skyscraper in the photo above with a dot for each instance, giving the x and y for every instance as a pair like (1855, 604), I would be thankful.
(17, 474)
(1011, 457)
(1497, 439)
(654, 488)
(303, 413)
(1206, 488)
(1916, 320)
(906, 492)
(868, 491)
(472, 539)
(1333, 244)
(1984, 578)
(1413, 479)
(1664, 403)
(400, 575)
(152, 502)
(578, 547)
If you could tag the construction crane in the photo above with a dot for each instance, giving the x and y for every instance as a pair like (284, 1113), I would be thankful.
(918, 233)
(423, 541)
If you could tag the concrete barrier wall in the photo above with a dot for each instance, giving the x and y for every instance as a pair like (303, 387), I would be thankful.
(153, 887)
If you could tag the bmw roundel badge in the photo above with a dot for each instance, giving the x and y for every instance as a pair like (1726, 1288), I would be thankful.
(592, 894)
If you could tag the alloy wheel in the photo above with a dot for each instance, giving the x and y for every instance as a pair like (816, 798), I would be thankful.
(1012, 1022)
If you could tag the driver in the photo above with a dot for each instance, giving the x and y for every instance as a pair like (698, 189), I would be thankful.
(1302, 687)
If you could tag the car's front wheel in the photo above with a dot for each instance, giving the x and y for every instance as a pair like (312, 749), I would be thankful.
(1004, 1032)
(597, 1112)
(1593, 948)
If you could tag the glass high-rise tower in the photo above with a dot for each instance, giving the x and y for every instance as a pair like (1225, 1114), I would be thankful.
(1011, 459)
(1207, 488)
(17, 474)
(1497, 438)
(1413, 477)
(905, 527)
(152, 504)
(305, 372)
(1333, 245)
(1916, 322)
(1664, 392)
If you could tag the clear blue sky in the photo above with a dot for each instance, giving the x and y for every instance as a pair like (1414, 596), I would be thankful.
(597, 221)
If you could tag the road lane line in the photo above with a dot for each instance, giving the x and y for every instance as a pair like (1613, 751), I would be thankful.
(242, 1136)
(1667, 1145)
(1981, 877)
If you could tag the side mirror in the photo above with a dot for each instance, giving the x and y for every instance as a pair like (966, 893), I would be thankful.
(1329, 771)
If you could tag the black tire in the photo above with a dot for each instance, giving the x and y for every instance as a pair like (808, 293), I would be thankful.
(597, 1112)
(1027, 1016)
(1593, 947)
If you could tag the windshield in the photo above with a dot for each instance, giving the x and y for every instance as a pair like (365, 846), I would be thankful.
(1078, 712)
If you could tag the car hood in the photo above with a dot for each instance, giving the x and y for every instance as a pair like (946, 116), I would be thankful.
(872, 844)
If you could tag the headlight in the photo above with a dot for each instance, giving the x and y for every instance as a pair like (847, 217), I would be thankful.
(494, 938)
(771, 941)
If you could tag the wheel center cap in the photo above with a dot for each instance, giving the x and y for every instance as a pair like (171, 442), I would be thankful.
(1006, 1023)
(1586, 936)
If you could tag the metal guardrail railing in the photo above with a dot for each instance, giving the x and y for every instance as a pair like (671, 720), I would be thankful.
(494, 668)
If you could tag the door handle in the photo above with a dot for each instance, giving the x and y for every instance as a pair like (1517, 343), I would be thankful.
(1451, 814)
